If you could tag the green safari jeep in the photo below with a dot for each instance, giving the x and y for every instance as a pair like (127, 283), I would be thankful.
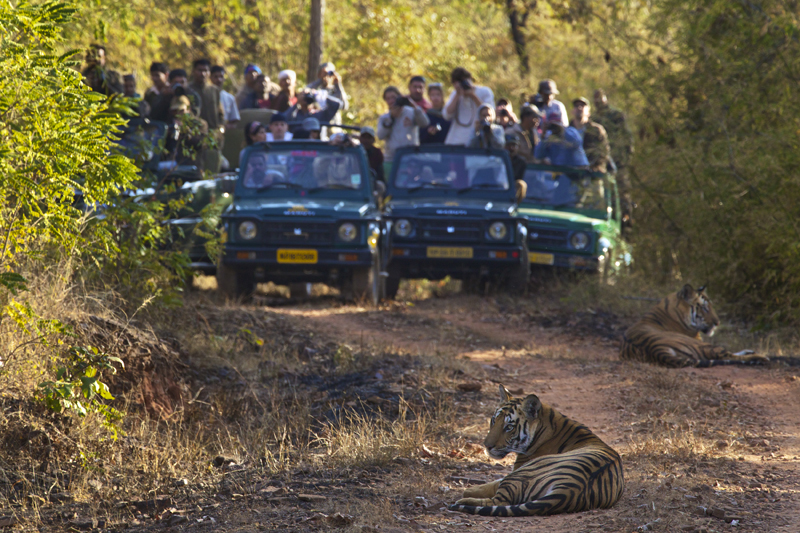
(574, 220)
(302, 212)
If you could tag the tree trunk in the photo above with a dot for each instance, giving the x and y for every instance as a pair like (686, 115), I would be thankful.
(518, 19)
(315, 41)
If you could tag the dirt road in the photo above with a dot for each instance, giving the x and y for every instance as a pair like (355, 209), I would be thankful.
(725, 440)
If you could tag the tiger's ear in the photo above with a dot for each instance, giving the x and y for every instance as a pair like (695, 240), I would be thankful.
(531, 406)
(504, 394)
(703, 288)
(687, 293)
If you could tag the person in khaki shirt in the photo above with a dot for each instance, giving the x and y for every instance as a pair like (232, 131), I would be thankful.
(595, 138)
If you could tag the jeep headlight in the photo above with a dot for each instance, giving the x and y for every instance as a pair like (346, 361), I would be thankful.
(498, 231)
(579, 240)
(402, 228)
(247, 230)
(348, 232)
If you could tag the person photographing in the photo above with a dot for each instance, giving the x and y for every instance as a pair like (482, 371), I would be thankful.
(462, 106)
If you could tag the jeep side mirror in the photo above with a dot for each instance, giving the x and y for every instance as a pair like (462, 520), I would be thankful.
(522, 190)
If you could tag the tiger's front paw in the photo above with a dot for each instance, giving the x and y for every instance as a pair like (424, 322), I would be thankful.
(487, 490)
(475, 502)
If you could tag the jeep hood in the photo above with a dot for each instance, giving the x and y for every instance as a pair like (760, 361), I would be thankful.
(562, 219)
(451, 207)
(308, 208)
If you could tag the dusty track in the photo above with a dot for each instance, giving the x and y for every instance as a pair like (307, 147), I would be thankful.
(572, 364)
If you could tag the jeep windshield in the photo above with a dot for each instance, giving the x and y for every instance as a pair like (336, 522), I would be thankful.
(578, 189)
(455, 171)
(312, 170)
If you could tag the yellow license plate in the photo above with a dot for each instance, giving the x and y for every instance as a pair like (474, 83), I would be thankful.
(541, 259)
(444, 252)
(297, 256)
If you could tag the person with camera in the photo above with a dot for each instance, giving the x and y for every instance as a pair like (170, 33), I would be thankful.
(329, 83)
(505, 113)
(462, 106)
(436, 132)
(285, 99)
(177, 86)
(561, 146)
(552, 110)
(487, 133)
(400, 126)
(187, 135)
(307, 106)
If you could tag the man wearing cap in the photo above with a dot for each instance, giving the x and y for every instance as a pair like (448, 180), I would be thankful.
(416, 92)
(177, 86)
(310, 129)
(400, 126)
(287, 79)
(227, 100)
(186, 135)
(518, 162)
(526, 132)
(374, 154)
(595, 139)
(278, 129)
(551, 109)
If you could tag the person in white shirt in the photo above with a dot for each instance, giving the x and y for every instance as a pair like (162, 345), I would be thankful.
(229, 107)
(400, 126)
(552, 110)
(462, 106)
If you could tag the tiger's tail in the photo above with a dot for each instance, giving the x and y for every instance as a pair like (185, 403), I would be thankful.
(534, 508)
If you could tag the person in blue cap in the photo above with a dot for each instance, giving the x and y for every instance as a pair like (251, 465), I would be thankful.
(251, 74)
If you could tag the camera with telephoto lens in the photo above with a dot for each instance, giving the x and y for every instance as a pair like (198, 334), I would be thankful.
(178, 90)
(402, 102)
(310, 98)
(487, 125)
(466, 84)
(503, 113)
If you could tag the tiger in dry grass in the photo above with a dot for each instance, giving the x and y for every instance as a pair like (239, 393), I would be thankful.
(561, 466)
(669, 335)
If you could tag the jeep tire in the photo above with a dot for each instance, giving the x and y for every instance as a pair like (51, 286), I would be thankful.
(519, 278)
(366, 284)
(232, 283)
(391, 286)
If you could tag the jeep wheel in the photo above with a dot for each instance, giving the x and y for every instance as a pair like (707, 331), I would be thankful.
(519, 277)
(234, 284)
(366, 284)
(392, 285)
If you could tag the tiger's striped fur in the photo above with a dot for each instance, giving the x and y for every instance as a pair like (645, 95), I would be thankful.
(669, 335)
(561, 466)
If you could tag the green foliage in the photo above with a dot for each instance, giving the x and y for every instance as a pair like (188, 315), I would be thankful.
(77, 387)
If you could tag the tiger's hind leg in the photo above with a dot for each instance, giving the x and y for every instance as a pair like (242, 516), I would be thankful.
(669, 356)
(487, 490)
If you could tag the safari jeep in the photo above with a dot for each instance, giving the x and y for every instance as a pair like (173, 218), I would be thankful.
(573, 220)
(302, 212)
(452, 211)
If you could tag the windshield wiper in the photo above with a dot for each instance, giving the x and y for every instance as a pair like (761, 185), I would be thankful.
(332, 186)
(481, 186)
(429, 184)
(287, 184)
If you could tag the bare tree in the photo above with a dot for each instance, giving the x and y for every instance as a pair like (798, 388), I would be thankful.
(315, 42)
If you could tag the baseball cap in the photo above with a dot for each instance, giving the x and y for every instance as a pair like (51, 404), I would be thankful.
(581, 100)
(277, 117)
(252, 68)
(511, 138)
(328, 66)
(311, 124)
(369, 130)
(287, 74)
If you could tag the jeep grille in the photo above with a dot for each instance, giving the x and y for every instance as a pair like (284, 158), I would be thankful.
(443, 230)
(298, 232)
(554, 238)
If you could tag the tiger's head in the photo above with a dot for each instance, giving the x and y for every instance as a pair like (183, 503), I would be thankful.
(696, 310)
(513, 426)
